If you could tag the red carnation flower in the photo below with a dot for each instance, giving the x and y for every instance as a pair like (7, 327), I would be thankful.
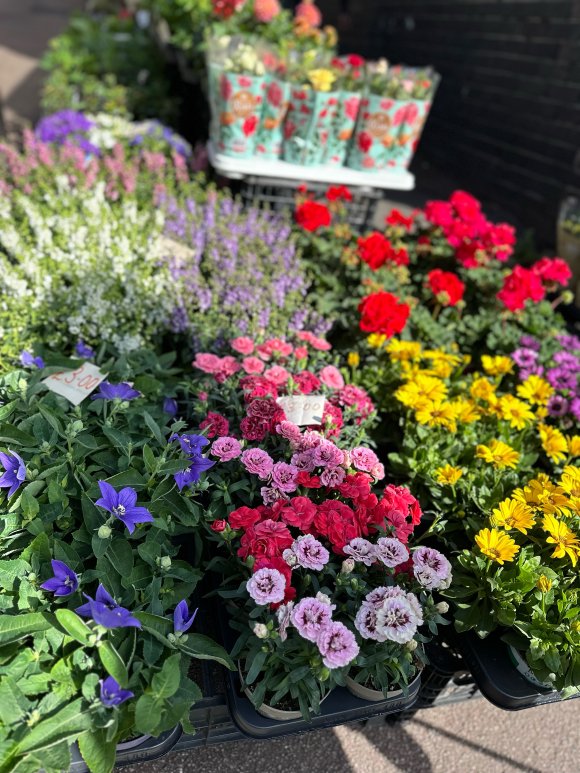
(243, 517)
(311, 216)
(307, 382)
(216, 425)
(445, 286)
(267, 538)
(298, 511)
(382, 312)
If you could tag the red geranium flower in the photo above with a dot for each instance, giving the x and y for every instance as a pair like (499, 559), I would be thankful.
(338, 193)
(397, 218)
(311, 216)
(521, 285)
(382, 312)
(445, 286)
(553, 271)
(375, 250)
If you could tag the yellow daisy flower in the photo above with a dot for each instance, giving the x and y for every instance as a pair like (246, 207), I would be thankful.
(535, 390)
(376, 340)
(553, 442)
(573, 444)
(565, 541)
(496, 366)
(570, 480)
(482, 389)
(403, 350)
(437, 414)
(544, 495)
(466, 410)
(515, 411)
(448, 475)
(496, 545)
(422, 389)
(511, 514)
(499, 454)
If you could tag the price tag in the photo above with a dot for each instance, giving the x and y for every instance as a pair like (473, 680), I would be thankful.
(303, 410)
(77, 384)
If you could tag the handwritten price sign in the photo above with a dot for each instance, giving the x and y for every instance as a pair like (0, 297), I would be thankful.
(303, 410)
(77, 384)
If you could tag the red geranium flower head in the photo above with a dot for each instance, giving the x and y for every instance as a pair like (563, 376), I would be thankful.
(312, 215)
(445, 286)
(382, 312)
(338, 193)
(521, 285)
(553, 271)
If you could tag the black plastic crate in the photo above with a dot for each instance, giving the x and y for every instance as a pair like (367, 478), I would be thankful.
(446, 679)
(145, 750)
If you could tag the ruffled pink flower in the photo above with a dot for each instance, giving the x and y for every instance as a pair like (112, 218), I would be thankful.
(258, 462)
(363, 459)
(267, 586)
(431, 569)
(289, 431)
(332, 476)
(396, 620)
(283, 615)
(378, 471)
(391, 551)
(277, 375)
(331, 377)
(326, 454)
(311, 617)
(304, 461)
(337, 645)
(316, 343)
(284, 477)
(310, 553)
(226, 448)
(301, 352)
(361, 550)
(242, 345)
(365, 623)
(274, 347)
(253, 365)
(209, 363)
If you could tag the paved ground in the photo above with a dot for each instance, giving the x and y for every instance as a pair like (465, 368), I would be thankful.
(470, 737)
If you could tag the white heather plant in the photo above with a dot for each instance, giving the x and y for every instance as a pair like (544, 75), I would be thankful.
(83, 267)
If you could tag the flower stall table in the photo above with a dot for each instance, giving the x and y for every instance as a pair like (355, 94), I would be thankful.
(274, 183)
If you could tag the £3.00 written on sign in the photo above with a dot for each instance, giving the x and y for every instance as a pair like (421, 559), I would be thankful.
(75, 385)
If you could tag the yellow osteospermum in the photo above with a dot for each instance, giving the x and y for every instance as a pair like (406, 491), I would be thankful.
(496, 545)
(448, 475)
(321, 79)
(544, 584)
(496, 366)
(422, 389)
(376, 340)
(553, 442)
(570, 480)
(353, 359)
(535, 390)
(482, 389)
(466, 410)
(544, 495)
(499, 454)
(437, 414)
(511, 514)
(515, 411)
(403, 350)
(573, 444)
(565, 541)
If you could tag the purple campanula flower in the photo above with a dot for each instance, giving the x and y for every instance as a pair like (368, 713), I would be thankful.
(170, 406)
(191, 445)
(59, 126)
(83, 350)
(122, 391)
(122, 505)
(105, 611)
(112, 693)
(199, 464)
(181, 623)
(15, 471)
(64, 582)
(28, 360)
(558, 406)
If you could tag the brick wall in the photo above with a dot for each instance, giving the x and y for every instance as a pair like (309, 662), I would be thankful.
(506, 120)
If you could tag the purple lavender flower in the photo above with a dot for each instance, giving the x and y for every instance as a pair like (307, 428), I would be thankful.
(105, 611)
(558, 406)
(529, 342)
(112, 693)
(311, 553)
(170, 406)
(431, 568)
(562, 379)
(284, 477)
(28, 360)
(391, 551)
(83, 350)
(361, 550)
(181, 623)
(525, 358)
(267, 586)
(15, 471)
(122, 505)
(337, 645)
(396, 620)
(64, 582)
(122, 391)
(310, 617)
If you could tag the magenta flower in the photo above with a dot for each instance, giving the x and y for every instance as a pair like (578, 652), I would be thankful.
(363, 459)
(257, 462)
(332, 476)
(310, 617)
(396, 620)
(64, 581)
(391, 551)
(431, 569)
(304, 461)
(310, 553)
(112, 693)
(108, 391)
(284, 477)
(288, 430)
(326, 454)
(361, 550)
(122, 505)
(267, 586)
(331, 377)
(337, 645)
(558, 406)
(14, 471)
(226, 448)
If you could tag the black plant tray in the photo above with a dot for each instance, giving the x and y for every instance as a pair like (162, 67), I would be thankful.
(149, 749)
(496, 675)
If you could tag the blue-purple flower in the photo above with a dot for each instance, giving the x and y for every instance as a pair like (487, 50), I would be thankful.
(199, 464)
(170, 406)
(28, 360)
(15, 471)
(191, 445)
(122, 391)
(105, 611)
(64, 582)
(121, 504)
(112, 694)
(83, 350)
(181, 620)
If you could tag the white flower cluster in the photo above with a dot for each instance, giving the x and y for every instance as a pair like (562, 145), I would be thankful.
(83, 268)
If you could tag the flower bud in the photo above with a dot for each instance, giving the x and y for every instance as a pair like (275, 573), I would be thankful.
(32, 577)
(290, 557)
(261, 631)
(323, 598)
(219, 525)
(411, 645)
(567, 297)
(324, 674)
(442, 607)
(544, 584)
(347, 566)
(165, 562)
(104, 532)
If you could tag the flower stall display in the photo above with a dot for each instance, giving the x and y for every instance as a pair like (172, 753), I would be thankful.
(97, 630)
(568, 239)
(391, 117)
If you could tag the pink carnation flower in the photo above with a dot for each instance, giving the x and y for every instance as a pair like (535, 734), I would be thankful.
(331, 377)
(226, 449)
(303, 461)
(283, 615)
(316, 343)
(277, 375)
(310, 553)
(209, 363)
(365, 623)
(288, 430)
(284, 477)
(267, 586)
(361, 550)
(332, 476)
(337, 645)
(431, 568)
(258, 462)
(253, 365)
(391, 551)
(242, 345)
(363, 459)
(396, 620)
(326, 454)
(301, 352)
(311, 617)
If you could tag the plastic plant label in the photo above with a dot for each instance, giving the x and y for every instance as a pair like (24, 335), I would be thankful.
(75, 385)
(303, 410)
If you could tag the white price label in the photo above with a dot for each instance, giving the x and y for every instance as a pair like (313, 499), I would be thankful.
(77, 384)
(303, 410)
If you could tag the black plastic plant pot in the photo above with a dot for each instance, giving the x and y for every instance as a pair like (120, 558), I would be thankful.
(338, 708)
(497, 677)
(142, 749)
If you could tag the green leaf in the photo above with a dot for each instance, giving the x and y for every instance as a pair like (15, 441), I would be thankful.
(120, 554)
(174, 465)
(203, 648)
(166, 683)
(256, 667)
(73, 625)
(10, 434)
(28, 504)
(66, 724)
(97, 752)
(39, 547)
(113, 663)
(149, 459)
(127, 478)
(16, 627)
(99, 546)
(156, 623)
(147, 715)
(154, 427)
